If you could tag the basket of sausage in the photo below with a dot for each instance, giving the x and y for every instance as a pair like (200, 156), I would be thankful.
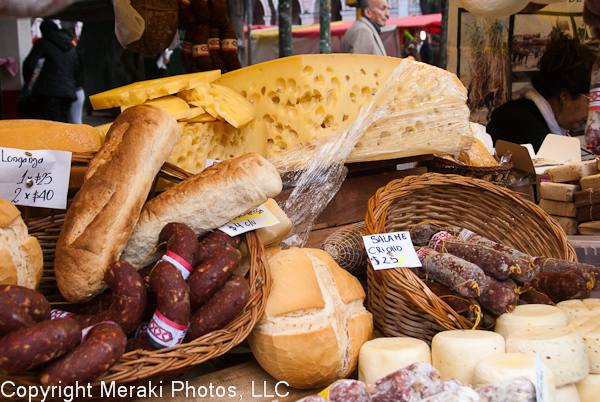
(483, 250)
(138, 285)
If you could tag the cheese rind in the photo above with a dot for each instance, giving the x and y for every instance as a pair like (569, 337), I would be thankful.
(589, 329)
(382, 356)
(456, 353)
(574, 309)
(589, 388)
(528, 316)
(562, 349)
(567, 393)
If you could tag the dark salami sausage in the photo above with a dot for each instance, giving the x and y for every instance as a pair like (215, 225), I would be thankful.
(229, 48)
(12, 317)
(548, 265)
(215, 241)
(448, 384)
(465, 306)
(560, 286)
(187, 60)
(128, 298)
(32, 301)
(186, 18)
(200, 52)
(462, 394)
(180, 240)
(532, 296)
(201, 11)
(220, 309)
(456, 273)
(497, 297)
(212, 274)
(406, 384)
(40, 343)
(348, 391)
(101, 349)
(94, 306)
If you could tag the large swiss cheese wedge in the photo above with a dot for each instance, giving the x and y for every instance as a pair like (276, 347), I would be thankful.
(304, 97)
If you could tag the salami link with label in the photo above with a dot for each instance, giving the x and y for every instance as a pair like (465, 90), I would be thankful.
(186, 18)
(220, 309)
(32, 301)
(40, 343)
(215, 241)
(406, 384)
(548, 265)
(456, 273)
(212, 274)
(102, 348)
(172, 295)
(180, 240)
(560, 286)
(12, 317)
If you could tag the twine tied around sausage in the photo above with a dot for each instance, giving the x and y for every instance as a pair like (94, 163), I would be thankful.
(472, 307)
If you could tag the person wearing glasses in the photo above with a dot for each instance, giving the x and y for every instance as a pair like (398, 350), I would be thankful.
(557, 103)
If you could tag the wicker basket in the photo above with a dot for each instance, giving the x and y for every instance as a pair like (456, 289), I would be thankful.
(140, 367)
(402, 305)
(494, 174)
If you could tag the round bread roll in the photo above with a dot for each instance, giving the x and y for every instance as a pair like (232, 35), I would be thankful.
(21, 259)
(494, 8)
(314, 321)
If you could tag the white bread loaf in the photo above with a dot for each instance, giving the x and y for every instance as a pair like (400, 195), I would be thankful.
(106, 208)
(314, 322)
(204, 202)
(21, 259)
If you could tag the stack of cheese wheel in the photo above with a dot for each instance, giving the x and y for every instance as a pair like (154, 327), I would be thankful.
(577, 308)
(456, 353)
(529, 316)
(560, 348)
(589, 328)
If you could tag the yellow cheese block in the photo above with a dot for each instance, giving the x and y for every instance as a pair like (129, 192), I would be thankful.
(305, 97)
(174, 105)
(138, 92)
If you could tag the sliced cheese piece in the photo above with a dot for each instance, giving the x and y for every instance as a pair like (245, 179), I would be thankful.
(589, 329)
(572, 171)
(569, 225)
(529, 316)
(590, 182)
(589, 388)
(456, 353)
(273, 234)
(567, 393)
(201, 118)
(558, 191)
(559, 208)
(574, 309)
(138, 92)
(305, 97)
(382, 356)
(562, 349)
(496, 368)
(171, 104)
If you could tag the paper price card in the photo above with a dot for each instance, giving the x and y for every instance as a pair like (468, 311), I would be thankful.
(259, 217)
(542, 393)
(391, 250)
(37, 178)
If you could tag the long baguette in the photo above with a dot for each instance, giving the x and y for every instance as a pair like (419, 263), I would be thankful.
(204, 202)
(107, 207)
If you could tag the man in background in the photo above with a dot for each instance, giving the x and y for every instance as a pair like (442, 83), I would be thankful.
(364, 35)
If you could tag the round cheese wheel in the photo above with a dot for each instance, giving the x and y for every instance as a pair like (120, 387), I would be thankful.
(567, 393)
(589, 388)
(497, 368)
(579, 308)
(589, 329)
(562, 349)
(527, 316)
(382, 356)
(494, 8)
(456, 353)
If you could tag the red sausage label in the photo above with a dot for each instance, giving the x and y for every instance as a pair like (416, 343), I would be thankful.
(179, 263)
(466, 235)
(595, 98)
(229, 44)
(214, 44)
(437, 241)
(56, 313)
(164, 333)
(200, 50)
(186, 47)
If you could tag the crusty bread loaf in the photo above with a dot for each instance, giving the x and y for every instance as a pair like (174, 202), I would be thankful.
(314, 322)
(204, 202)
(107, 207)
(21, 258)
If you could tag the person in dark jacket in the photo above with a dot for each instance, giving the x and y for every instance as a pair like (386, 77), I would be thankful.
(558, 102)
(55, 87)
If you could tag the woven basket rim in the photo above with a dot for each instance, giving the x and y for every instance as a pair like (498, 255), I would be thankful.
(450, 164)
(407, 281)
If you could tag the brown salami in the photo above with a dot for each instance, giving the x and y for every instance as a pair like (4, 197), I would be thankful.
(220, 309)
(40, 343)
(187, 61)
(187, 20)
(201, 11)
(214, 48)
(92, 307)
(32, 301)
(548, 265)
(101, 349)
(215, 241)
(12, 317)
(348, 391)
(449, 270)
(212, 274)
(406, 384)
(465, 306)
(533, 296)
(560, 286)
(180, 240)
(515, 389)
(229, 48)
(200, 52)
(448, 384)
(462, 394)
(497, 297)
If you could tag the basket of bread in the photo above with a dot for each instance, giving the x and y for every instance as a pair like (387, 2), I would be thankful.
(483, 250)
(138, 285)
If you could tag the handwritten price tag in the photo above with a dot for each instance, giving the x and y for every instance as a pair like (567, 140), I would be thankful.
(259, 217)
(391, 250)
(37, 178)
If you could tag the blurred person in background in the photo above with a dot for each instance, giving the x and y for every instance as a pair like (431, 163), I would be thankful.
(364, 34)
(76, 110)
(558, 101)
(55, 87)
(426, 52)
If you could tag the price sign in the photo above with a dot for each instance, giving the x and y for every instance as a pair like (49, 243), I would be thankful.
(391, 250)
(541, 386)
(259, 217)
(37, 178)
